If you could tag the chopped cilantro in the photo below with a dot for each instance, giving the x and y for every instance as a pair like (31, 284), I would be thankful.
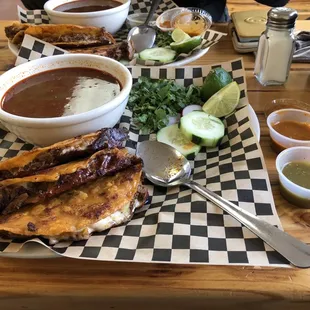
(154, 101)
(163, 39)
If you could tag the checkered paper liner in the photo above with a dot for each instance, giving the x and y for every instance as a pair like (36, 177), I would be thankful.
(36, 17)
(211, 37)
(33, 48)
(178, 225)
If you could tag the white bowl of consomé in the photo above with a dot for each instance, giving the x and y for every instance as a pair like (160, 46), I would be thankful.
(110, 14)
(55, 98)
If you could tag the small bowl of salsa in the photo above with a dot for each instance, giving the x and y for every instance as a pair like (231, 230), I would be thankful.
(164, 20)
(289, 128)
(138, 19)
(285, 103)
(293, 166)
(193, 21)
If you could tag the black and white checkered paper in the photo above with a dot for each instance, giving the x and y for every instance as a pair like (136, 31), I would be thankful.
(178, 225)
(33, 48)
(36, 17)
(211, 37)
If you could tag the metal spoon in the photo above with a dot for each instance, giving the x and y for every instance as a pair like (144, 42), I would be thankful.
(143, 36)
(165, 166)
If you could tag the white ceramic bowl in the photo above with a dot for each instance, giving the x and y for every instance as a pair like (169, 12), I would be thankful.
(287, 115)
(167, 16)
(292, 190)
(137, 19)
(46, 131)
(112, 20)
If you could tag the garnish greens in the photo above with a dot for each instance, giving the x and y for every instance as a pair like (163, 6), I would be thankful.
(163, 39)
(154, 101)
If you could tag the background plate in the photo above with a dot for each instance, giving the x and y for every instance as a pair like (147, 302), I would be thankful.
(14, 50)
(188, 59)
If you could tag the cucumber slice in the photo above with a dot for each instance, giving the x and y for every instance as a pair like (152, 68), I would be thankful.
(202, 128)
(159, 54)
(174, 137)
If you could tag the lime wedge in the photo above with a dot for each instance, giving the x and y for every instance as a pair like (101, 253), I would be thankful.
(187, 45)
(214, 81)
(224, 101)
(179, 35)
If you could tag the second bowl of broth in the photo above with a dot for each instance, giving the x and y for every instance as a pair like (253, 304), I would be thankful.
(110, 14)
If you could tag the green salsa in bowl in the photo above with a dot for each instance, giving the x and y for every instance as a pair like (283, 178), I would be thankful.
(293, 166)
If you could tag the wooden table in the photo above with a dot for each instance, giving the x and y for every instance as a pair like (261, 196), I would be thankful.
(77, 284)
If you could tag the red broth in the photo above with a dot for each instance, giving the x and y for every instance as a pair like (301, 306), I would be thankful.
(84, 6)
(60, 92)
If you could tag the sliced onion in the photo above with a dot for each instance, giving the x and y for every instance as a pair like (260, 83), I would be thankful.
(174, 119)
(191, 108)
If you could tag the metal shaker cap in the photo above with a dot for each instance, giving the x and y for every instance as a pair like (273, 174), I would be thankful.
(282, 18)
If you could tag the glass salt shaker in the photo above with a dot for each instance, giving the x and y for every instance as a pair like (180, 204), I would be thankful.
(276, 47)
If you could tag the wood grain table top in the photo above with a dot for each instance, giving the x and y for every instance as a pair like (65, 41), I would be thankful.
(79, 284)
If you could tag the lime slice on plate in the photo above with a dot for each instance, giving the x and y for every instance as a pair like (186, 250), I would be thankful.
(179, 35)
(224, 101)
(187, 45)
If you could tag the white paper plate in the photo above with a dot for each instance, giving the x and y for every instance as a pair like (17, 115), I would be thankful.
(14, 49)
(188, 59)
(35, 250)
(254, 122)
(32, 250)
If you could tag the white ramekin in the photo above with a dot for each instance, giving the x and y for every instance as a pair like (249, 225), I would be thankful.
(138, 19)
(112, 20)
(287, 115)
(293, 192)
(46, 131)
(167, 16)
